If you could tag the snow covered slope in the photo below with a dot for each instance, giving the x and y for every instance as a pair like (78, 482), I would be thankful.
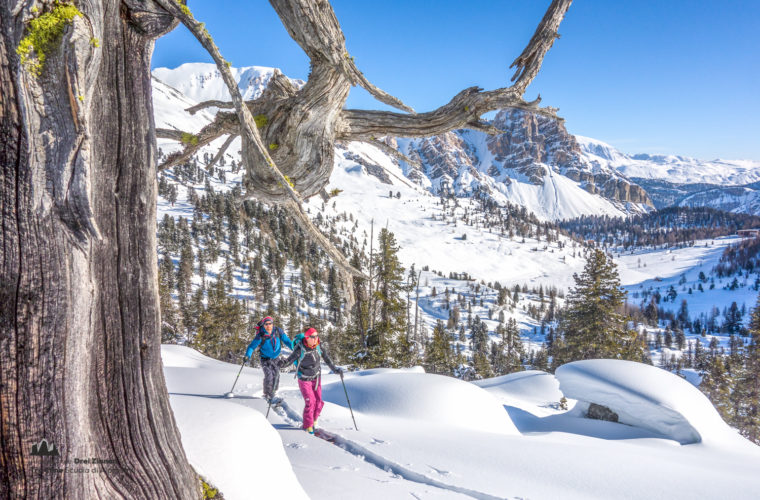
(738, 199)
(404, 449)
(674, 169)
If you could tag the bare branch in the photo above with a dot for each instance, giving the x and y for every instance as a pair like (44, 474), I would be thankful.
(315, 28)
(253, 147)
(222, 150)
(377, 93)
(166, 133)
(225, 123)
(463, 111)
(390, 150)
(483, 127)
(304, 221)
(279, 87)
(466, 108)
(210, 104)
(529, 62)
(254, 152)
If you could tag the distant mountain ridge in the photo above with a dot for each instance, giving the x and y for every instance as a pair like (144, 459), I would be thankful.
(536, 163)
(671, 168)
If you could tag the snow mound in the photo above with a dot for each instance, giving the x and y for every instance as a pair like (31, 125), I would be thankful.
(179, 356)
(532, 386)
(226, 443)
(423, 397)
(376, 371)
(645, 396)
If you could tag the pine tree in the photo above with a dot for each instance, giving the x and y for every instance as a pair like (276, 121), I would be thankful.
(480, 346)
(748, 384)
(386, 342)
(592, 327)
(354, 344)
(333, 295)
(185, 271)
(733, 323)
(171, 319)
(508, 357)
(438, 357)
(716, 384)
(222, 325)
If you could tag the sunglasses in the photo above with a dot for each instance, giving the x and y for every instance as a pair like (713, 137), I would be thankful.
(267, 323)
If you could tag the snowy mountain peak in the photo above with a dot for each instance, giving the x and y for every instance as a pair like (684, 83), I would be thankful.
(203, 81)
(675, 169)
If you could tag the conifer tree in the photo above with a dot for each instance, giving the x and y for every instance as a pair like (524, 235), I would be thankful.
(354, 345)
(333, 295)
(171, 319)
(438, 355)
(716, 384)
(386, 342)
(185, 271)
(592, 327)
(748, 384)
(508, 357)
(222, 325)
(479, 343)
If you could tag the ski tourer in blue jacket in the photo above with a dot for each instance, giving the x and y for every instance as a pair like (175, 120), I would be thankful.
(270, 342)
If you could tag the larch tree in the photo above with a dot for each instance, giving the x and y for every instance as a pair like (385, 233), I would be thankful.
(79, 297)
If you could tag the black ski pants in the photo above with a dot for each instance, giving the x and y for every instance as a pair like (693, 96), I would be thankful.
(271, 376)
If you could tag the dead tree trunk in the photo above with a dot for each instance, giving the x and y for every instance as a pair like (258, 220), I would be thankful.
(79, 319)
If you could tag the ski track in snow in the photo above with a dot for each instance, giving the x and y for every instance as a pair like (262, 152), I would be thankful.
(293, 419)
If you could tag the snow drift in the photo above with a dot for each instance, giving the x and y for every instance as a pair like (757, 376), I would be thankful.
(535, 386)
(423, 397)
(645, 396)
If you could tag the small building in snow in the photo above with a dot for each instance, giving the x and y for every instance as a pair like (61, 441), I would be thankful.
(748, 233)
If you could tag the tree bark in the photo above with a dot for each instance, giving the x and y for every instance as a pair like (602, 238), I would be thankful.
(79, 317)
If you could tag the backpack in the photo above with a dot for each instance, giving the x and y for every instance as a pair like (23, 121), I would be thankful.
(297, 341)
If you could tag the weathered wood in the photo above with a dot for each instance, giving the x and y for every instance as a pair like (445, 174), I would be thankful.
(291, 157)
(300, 123)
(79, 317)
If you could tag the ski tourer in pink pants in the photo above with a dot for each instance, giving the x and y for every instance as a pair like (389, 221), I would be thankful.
(307, 354)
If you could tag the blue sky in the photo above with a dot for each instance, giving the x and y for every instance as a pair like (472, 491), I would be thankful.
(668, 76)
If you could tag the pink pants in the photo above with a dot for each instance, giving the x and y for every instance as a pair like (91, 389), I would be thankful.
(312, 398)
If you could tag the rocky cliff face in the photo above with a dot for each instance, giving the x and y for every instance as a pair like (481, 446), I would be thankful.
(532, 149)
(533, 143)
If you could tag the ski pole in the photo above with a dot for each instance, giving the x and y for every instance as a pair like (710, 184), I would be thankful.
(230, 394)
(268, 408)
(348, 401)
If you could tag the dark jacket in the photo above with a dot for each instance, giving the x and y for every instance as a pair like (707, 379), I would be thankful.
(309, 366)
(270, 344)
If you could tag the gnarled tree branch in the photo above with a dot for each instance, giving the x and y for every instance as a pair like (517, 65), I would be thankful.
(210, 104)
(292, 156)
(254, 152)
(390, 150)
(222, 150)
(529, 62)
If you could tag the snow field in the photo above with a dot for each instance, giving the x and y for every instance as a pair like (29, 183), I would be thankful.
(405, 450)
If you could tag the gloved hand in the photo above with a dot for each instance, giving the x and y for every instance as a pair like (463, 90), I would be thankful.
(340, 372)
(246, 359)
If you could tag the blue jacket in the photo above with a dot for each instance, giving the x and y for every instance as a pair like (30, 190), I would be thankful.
(270, 344)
